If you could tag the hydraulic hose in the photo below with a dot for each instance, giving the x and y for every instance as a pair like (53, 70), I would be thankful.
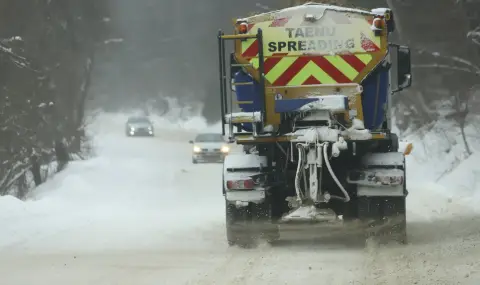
(304, 162)
(299, 172)
(329, 167)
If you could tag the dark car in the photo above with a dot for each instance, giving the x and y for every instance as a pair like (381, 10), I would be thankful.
(139, 126)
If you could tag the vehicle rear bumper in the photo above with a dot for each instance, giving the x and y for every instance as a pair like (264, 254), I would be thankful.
(140, 133)
(256, 196)
(208, 157)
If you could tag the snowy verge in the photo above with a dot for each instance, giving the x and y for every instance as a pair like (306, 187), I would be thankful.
(134, 190)
(440, 162)
(23, 182)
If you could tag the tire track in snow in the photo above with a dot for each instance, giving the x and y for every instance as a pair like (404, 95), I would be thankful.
(442, 250)
(442, 233)
(237, 267)
(308, 263)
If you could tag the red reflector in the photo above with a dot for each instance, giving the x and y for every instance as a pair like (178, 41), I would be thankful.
(240, 184)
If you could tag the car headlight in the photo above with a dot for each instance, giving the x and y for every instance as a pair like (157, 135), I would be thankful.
(225, 149)
(132, 128)
(150, 128)
(197, 149)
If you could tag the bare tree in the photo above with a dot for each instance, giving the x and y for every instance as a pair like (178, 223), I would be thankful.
(46, 58)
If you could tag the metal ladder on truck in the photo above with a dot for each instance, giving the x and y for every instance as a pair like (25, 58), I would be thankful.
(256, 118)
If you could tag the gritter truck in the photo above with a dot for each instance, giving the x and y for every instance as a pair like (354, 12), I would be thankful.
(307, 91)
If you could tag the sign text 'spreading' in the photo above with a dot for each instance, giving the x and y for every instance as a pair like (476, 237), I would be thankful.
(307, 39)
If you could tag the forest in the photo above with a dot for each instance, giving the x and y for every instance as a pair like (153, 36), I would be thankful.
(46, 64)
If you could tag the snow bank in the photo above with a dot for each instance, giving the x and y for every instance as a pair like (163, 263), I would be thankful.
(439, 148)
(439, 162)
(139, 191)
(11, 204)
(135, 191)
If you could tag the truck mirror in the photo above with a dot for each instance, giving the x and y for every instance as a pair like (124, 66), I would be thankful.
(404, 67)
(401, 58)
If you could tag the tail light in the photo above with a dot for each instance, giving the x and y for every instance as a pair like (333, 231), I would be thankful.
(246, 184)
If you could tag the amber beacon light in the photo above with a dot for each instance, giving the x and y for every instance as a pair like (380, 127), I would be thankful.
(242, 28)
(379, 23)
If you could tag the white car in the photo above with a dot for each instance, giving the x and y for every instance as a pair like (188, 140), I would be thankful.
(139, 126)
(209, 147)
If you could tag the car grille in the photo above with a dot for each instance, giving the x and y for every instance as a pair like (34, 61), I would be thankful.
(211, 151)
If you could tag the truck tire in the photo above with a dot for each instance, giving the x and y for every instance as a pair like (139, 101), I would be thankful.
(395, 209)
(387, 213)
(264, 221)
(387, 218)
(246, 225)
(238, 232)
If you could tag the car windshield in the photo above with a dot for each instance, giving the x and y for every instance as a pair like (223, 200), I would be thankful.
(139, 120)
(209, 138)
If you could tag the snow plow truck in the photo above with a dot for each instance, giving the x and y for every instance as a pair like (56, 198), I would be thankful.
(307, 91)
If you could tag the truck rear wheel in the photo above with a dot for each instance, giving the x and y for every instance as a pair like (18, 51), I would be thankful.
(235, 225)
(246, 225)
(386, 217)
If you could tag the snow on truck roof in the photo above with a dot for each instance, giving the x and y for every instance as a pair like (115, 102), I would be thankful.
(321, 7)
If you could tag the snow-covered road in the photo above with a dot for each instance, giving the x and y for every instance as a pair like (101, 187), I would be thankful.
(141, 213)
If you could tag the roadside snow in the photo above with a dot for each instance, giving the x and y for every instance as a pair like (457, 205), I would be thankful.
(439, 163)
(137, 190)
(141, 213)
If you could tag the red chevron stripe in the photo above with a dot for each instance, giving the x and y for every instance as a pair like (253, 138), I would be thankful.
(367, 44)
(331, 70)
(301, 62)
(280, 22)
(354, 62)
(311, 81)
(252, 50)
(273, 60)
(291, 71)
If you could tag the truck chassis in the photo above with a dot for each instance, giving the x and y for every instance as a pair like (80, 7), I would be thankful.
(364, 174)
